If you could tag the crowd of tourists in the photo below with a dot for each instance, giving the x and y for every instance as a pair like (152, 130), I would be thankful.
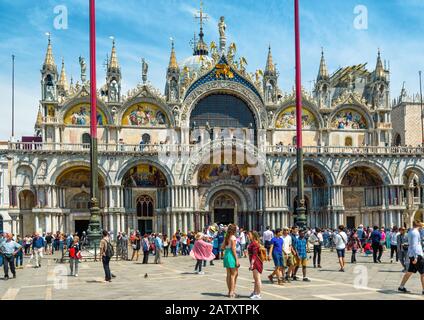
(290, 250)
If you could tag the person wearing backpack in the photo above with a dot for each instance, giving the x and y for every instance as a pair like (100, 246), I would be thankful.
(340, 241)
(106, 252)
(256, 263)
(145, 244)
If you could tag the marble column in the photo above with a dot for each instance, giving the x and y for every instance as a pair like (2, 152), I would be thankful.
(184, 222)
(174, 223)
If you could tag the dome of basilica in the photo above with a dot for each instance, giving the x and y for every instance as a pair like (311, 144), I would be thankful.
(194, 63)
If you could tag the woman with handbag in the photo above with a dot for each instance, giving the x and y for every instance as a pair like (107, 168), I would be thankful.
(74, 256)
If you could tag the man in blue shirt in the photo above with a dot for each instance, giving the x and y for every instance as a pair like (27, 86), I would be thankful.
(376, 245)
(276, 248)
(158, 248)
(9, 249)
(38, 244)
(301, 255)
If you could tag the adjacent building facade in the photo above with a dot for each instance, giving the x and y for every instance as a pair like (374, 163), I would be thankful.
(217, 146)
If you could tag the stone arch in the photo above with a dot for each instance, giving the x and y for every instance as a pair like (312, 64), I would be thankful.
(128, 165)
(382, 172)
(397, 139)
(202, 156)
(360, 109)
(310, 107)
(321, 167)
(245, 203)
(24, 175)
(148, 100)
(27, 199)
(416, 170)
(254, 103)
(69, 164)
(83, 100)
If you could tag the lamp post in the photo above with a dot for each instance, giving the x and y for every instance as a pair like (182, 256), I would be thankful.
(300, 210)
(94, 228)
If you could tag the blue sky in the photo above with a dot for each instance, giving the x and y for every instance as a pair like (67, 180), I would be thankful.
(142, 28)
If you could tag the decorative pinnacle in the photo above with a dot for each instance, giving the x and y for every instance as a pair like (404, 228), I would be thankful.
(379, 69)
(49, 60)
(323, 70)
(113, 64)
(63, 82)
(173, 60)
(270, 67)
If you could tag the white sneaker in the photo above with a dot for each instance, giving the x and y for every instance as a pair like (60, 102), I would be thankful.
(256, 297)
(251, 295)
(201, 272)
(76, 275)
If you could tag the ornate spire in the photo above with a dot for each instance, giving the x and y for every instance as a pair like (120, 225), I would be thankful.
(39, 121)
(49, 60)
(113, 64)
(323, 71)
(201, 47)
(63, 81)
(379, 69)
(270, 67)
(173, 60)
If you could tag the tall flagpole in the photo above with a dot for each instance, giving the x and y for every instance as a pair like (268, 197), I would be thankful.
(94, 228)
(422, 115)
(300, 210)
(13, 97)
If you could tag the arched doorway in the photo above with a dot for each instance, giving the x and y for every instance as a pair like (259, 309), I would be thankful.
(224, 208)
(145, 207)
(362, 196)
(316, 196)
(145, 198)
(412, 195)
(75, 183)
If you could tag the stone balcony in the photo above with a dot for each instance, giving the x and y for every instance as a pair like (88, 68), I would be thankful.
(38, 147)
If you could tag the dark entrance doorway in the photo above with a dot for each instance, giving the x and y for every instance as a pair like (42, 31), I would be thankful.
(224, 216)
(80, 226)
(350, 222)
(145, 226)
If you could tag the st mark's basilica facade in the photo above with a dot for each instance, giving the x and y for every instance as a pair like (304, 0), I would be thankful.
(218, 145)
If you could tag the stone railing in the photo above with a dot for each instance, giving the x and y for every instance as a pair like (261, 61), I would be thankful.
(156, 148)
(347, 150)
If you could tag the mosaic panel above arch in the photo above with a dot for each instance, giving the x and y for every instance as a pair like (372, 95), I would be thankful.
(349, 119)
(144, 175)
(287, 119)
(145, 115)
(80, 115)
(211, 173)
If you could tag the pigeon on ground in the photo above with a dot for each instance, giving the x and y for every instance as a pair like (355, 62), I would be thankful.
(145, 276)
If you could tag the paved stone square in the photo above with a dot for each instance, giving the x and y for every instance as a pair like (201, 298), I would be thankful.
(174, 279)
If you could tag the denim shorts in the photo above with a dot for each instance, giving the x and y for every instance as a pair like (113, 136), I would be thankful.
(278, 260)
(341, 253)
